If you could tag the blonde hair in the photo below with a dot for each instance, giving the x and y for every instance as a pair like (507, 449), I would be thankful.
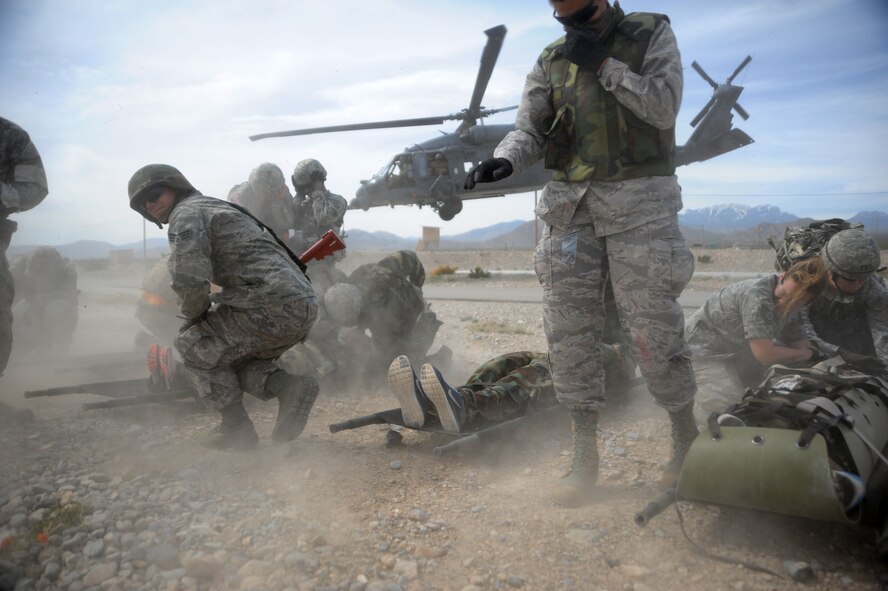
(811, 281)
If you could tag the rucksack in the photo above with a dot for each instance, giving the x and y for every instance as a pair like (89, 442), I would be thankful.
(802, 242)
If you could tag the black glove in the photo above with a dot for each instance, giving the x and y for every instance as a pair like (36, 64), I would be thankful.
(583, 47)
(489, 171)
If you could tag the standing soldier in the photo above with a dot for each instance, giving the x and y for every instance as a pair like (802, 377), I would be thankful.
(230, 339)
(599, 106)
(267, 197)
(22, 186)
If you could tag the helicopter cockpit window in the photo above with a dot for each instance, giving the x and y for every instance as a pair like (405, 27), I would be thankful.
(400, 173)
(470, 161)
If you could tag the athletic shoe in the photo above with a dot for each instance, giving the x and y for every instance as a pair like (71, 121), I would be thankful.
(161, 366)
(450, 404)
(407, 389)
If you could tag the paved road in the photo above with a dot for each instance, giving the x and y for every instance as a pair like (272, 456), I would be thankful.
(521, 295)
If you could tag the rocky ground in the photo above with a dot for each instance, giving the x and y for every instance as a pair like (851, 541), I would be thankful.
(129, 499)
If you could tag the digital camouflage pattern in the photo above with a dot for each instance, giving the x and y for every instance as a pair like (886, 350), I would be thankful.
(802, 242)
(265, 305)
(22, 187)
(267, 197)
(592, 136)
(853, 254)
(857, 322)
(647, 269)
(739, 312)
(652, 94)
(505, 386)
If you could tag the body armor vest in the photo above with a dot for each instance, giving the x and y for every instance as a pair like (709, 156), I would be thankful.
(593, 136)
(844, 324)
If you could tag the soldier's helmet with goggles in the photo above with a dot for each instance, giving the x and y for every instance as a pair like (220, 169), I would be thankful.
(150, 177)
(308, 171)
(851, 254)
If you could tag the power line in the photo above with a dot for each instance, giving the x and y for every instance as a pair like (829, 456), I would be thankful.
(784, 194)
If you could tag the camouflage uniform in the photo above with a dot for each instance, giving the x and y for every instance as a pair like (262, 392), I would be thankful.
(46, 292)
(505, 386)
(717, 333)
(856, 322)
(22, 186)
(611, 210)
(266, 304)
(267, 197)
(394, 310)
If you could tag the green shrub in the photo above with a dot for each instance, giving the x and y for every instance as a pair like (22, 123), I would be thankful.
(704, 258)
(479, 273)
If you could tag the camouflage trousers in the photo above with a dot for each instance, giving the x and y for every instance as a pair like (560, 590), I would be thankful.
(233, 350)
(647, 268)
(7, 295)
(506, 386)
(719, 386)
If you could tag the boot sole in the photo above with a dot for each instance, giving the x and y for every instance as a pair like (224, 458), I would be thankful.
(432, 387)
(401, 382)
(291, 423)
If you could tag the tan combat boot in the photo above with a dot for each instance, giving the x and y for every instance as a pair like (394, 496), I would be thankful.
(296, 395)
(575, 487)
(684, 432)
(236, 430)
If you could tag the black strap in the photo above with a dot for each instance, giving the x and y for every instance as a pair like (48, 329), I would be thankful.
(247, 213)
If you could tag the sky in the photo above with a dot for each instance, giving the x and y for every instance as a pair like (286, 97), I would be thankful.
(104, 88)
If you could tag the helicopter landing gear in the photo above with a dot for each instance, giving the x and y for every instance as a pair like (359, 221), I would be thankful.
(448, 208)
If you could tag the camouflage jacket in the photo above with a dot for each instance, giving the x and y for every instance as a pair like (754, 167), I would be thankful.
(278, 213)
(739, 312)
(654, 96)
(211, 241)
(858, 323)
(22, 177)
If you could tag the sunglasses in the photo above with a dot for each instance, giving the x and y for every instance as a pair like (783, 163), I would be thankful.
(578, 18)
(152, 195)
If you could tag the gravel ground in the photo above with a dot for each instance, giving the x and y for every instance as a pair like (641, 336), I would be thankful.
(129, 499)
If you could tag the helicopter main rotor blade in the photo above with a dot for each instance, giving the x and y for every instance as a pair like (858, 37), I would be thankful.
(740, 67)
(741, 111)
(355, 126)
(489, 56)
(702, 112)
(703, 74)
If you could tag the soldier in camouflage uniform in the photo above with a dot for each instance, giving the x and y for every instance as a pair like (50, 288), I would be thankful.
(749, 326)
(267, 197)
(852, 316)
(230, 339)
(393, 309)
(22, 186)
(599, 106)
(45, 312)
(318, 210)
(500, 389)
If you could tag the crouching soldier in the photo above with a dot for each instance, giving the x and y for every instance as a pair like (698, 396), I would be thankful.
(230, 340)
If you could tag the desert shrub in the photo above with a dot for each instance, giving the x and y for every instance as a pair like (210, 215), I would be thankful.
(442, 270)
(495, 326)
(704, 258)
(479, 273)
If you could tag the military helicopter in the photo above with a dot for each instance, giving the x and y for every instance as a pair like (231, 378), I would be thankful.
(432, 172)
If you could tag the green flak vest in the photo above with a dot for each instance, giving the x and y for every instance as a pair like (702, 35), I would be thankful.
(593, 136)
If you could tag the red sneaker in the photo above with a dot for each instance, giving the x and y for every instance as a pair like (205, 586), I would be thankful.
(161, 366)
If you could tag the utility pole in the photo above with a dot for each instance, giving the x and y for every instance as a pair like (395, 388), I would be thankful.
(144, 239)
(536, 222)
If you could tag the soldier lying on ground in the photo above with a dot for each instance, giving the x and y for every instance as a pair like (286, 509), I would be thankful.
(749, 326)
(500, 389)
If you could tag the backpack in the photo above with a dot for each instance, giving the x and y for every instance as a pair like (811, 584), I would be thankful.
(802, 242)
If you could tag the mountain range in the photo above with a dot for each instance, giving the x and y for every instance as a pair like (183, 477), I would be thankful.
(717, 225)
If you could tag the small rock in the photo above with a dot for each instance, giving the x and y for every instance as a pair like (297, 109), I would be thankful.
(428, 552)
(799, 571)
(396, 465)
(99, 573)
(94, 549)
(406, 568)
(418, 515)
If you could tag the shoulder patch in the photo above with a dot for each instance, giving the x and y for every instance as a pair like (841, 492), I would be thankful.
(182, 236)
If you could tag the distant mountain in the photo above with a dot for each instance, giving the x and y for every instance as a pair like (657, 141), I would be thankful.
(486, 233)
(383, 241)
(731, 216)
(875, 222)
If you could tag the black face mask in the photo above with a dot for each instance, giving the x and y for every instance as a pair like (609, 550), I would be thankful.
(579, 18)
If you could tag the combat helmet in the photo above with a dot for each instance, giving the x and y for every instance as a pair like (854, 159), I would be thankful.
(852, 254)
(343, 303)
(308, 171)
(151, 176)
(267, 179)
